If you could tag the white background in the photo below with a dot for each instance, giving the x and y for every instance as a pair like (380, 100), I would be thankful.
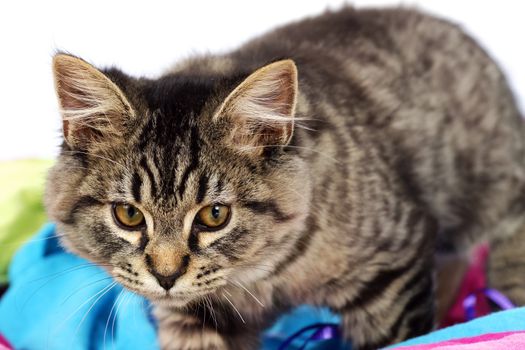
(146, 38)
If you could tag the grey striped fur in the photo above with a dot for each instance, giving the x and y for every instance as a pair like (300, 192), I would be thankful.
(406, 143)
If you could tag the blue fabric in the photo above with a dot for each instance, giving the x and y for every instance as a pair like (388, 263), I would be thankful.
(49, 303)
(59, 301)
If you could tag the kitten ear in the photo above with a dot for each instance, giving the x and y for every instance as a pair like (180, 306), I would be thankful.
(262, 108)
(92, 106)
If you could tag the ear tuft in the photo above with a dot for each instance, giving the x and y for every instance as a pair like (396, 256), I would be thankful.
(262, 107)
(92, 106)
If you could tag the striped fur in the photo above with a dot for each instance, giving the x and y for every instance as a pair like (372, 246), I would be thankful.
(352, 147)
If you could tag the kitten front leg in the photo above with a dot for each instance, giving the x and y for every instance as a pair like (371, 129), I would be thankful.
(178, 330)
(402, 308)
(200, 328)
(394, 299)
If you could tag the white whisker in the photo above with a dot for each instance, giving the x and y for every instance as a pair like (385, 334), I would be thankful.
(247, 291)
(54, 276)
(103, 290)
(87, 285)
(91, 308)
(212, 312)
(69, 269)
(204, 311)
(109, 317)
(237, 311)
(29, 241)
(125, 297)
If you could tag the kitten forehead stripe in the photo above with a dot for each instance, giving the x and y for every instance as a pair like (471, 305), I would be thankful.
(219, 186)
(148, 131)
(203, 188)
(194, 160)
(151, 177)
(136, 183)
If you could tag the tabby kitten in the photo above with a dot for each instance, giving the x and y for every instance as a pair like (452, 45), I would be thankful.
(323, 163)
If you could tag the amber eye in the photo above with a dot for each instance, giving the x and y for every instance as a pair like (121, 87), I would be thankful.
(128, 216)
(213, 216)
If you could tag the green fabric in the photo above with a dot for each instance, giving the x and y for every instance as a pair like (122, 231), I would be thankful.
(21, 208)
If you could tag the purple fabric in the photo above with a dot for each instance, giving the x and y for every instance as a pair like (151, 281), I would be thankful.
(469, 303)
(323, 331)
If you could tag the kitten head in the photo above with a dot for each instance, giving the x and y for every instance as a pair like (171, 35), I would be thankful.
(180, 185)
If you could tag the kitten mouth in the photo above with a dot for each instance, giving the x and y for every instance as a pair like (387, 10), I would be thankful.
(177, 299)
(182, 298)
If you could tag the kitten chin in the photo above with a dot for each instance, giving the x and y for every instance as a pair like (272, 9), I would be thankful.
(171, 302)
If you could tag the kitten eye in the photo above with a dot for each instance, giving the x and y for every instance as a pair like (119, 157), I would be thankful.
(213, 216)
(128, 216)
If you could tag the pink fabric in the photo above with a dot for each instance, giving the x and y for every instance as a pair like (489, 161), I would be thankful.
(4, 345)
(491, 341)
(473, 281)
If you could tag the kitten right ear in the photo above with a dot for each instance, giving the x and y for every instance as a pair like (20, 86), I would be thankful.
(92, 106)
(261, 109)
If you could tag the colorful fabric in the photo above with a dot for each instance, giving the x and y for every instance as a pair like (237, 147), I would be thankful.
(60, 301)
(498, 322)
(491, 341)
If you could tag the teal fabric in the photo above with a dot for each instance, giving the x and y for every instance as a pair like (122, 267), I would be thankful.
(59, 301)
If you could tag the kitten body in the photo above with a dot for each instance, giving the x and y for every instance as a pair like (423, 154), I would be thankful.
(390, 136)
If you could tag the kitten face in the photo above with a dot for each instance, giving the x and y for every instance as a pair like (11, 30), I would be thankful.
(166, 162)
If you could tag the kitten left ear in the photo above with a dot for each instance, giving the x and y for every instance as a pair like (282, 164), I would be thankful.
(93, 107)
(262, 108)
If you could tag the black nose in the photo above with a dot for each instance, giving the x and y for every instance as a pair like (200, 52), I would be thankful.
(168, 281)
